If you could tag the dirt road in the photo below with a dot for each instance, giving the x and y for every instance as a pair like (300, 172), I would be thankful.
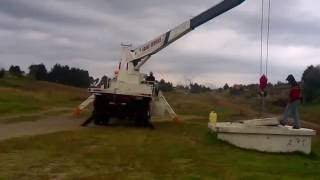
(63, 123)
(48, 125)
(40, 113)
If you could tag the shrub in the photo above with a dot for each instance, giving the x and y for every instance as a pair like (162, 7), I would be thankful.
(2, 72)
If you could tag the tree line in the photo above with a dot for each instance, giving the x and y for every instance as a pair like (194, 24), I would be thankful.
(165, 86)
(192, 87)
(62, 74)
(80, 78)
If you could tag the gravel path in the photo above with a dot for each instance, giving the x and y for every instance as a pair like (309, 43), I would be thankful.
(63, 123)
(48, 125)
(43, 112)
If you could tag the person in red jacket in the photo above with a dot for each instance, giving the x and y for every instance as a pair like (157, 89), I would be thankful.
(293, 103)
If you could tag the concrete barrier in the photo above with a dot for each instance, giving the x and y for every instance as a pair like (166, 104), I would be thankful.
(265, 138)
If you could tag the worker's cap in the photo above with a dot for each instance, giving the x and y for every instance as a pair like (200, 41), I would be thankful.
(290, 78)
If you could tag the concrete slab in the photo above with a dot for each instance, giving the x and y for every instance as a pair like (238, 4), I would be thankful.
(244, 129)
(265, 138)
(262, 122)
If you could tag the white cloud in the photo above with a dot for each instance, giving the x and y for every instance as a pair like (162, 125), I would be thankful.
(88, 34)
(36, 35)
(221, 42)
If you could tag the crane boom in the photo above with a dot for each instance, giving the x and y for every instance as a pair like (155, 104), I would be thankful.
(130, 94)
(142, 53)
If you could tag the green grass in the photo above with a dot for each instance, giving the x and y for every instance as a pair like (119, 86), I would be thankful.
(20, 96)
(310, 112)
(22, 118)
(202, 104)
(187, 151)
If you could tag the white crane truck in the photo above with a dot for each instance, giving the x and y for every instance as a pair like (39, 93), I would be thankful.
(129, 94)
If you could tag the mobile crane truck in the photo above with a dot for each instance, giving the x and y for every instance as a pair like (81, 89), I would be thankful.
(129, 94)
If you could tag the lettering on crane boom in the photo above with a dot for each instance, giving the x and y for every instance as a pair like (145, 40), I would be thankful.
(151, 44)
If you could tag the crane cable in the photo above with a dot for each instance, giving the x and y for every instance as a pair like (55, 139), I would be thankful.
(268, 36)
(261, 38)
(263, 78)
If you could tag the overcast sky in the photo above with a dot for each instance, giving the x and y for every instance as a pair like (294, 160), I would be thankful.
(88, 33)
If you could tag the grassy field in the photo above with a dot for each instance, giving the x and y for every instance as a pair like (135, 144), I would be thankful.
(201, 104)
(24, 99)
(185, 151)
(310, 112)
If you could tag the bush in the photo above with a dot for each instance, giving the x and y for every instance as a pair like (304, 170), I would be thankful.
(15, 71)
(198, 88)
(38, 72)
(311, 83)
(2, 72)
(165, 86)
(69, 76)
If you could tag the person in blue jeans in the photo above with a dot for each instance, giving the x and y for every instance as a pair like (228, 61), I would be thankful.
(293, 104)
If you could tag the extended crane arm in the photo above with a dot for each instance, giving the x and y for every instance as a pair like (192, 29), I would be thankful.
(142, 53)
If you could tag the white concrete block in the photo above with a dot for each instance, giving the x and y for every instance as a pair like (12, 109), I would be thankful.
(265, 138)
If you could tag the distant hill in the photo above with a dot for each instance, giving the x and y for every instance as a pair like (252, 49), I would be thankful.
(19, 96)
(24, 95)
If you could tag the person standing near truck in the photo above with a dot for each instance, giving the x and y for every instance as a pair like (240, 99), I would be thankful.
(293, 103)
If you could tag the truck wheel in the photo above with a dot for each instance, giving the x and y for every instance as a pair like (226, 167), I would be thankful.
(97, 120)
(105, 121)
(138, 121)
